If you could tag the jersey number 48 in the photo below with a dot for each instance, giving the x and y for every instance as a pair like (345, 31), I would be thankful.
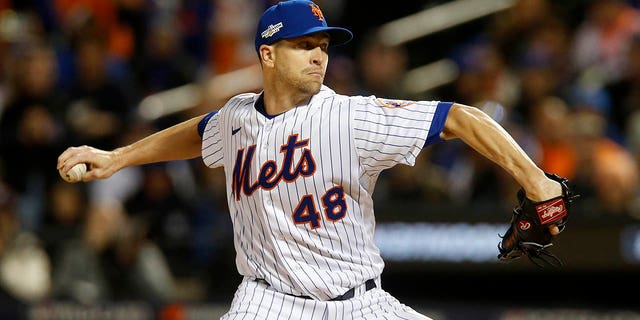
(333, 204)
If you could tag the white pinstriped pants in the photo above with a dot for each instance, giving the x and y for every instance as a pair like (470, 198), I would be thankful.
(256, 300)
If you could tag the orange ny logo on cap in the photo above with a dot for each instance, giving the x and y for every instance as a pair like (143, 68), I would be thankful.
(316, 11)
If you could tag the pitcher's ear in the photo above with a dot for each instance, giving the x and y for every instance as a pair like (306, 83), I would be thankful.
(266, 54)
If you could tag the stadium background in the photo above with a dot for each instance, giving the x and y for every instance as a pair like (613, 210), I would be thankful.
(155, 242)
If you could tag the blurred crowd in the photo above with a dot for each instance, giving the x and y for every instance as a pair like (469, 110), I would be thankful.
(562, 77)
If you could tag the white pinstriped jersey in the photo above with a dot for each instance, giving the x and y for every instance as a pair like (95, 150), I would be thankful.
(300, 183)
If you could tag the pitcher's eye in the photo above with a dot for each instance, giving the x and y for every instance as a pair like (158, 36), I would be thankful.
(304, 45)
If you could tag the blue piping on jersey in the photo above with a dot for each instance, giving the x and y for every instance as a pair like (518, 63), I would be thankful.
(203, 122)
(437, 124)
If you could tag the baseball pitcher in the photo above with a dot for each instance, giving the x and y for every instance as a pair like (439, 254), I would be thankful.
(301, 163)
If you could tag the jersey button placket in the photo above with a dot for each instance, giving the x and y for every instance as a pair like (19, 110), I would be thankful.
(267, 131)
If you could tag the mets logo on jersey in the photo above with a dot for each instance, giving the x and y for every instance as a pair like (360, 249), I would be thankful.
(271, 173)
(316, 11)
(391, 103)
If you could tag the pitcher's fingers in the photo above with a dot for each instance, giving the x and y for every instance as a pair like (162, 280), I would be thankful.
(554, 230)
(70, 157)
(64, 157)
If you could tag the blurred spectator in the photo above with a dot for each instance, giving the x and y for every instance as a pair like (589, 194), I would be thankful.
(32, 129)
(341, 75)
(80, 273)
(511, 29)
(65, 216)
(211, 230)
(165, 217)
(602, 40)
(549, 118)
(165, 64)
(551, 41)
(9, 25)
(128, 33)
(602, 163)
(62, 232)
(25, 270)
(232, 32)
(484, 75)
(111, 261)
(24, 22)
(102, 17)
(99, 108)
(211, 206)
(137, 269)
(8, 217)
(195, 18)
(597, 100)
(11, 306)
(537, 81)
(625, 96)
(541, 67)
(380, 68)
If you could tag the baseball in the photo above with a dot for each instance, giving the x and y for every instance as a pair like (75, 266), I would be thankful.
(75, 174)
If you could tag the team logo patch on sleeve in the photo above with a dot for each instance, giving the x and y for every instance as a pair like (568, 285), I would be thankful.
(392, 103)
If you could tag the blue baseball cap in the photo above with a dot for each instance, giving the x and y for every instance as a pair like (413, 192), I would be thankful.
(296, 18)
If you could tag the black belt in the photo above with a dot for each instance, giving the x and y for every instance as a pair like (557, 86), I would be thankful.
(368, 285)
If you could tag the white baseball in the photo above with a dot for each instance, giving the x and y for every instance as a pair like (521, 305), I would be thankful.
(75, 174)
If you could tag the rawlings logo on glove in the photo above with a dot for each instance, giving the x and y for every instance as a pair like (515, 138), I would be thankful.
(528, 234)
(551, 211)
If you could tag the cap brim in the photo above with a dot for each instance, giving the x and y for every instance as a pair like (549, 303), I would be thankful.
(338, 35)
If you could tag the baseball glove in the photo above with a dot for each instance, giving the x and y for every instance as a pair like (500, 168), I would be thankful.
(528, 234)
